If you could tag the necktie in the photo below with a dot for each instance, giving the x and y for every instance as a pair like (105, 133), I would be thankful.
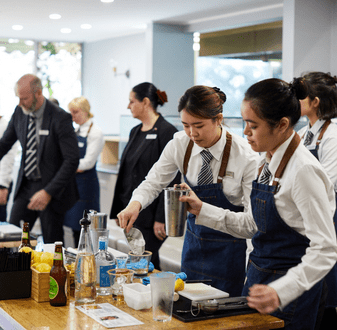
(308, 138)
(31, 150)
(205, 175)
(265, 175)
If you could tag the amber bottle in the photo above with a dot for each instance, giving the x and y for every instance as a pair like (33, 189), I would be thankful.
(25, 238)
(58, 278)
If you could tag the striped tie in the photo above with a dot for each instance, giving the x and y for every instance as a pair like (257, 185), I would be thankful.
(31, 150)
(265, 175)
(205, 175)
(308, 138)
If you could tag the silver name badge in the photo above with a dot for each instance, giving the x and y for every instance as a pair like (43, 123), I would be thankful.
(229, 174)
(151, 136)
(44, 132)
(81, 144)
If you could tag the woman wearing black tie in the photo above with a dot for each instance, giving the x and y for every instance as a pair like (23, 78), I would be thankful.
(219, 167)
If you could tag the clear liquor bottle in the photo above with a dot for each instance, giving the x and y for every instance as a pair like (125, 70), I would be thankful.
(104, 262)
(85, 266)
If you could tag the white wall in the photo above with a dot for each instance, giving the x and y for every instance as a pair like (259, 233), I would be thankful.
(109, 94)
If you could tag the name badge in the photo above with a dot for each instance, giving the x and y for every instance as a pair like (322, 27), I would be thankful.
(313, 147)
(151, 136)
(229, 174)
(81, 144)
(44, 132)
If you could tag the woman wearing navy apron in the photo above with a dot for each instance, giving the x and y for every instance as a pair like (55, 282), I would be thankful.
(219, 167)
(320, 137)
(290, 218)
(90, 143)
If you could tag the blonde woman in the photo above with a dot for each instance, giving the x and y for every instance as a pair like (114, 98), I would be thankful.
(90, 144)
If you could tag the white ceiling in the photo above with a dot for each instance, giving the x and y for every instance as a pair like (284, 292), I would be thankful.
(108, 20)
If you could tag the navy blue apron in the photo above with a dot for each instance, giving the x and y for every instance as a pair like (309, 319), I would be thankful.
(277, 248)
(88, 188)
(209, 253)
(331, 278)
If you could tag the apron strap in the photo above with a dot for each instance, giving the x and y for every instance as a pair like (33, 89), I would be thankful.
(224, 161)
(89, 128)
(225, 157)
(284, 161)
(324, 128)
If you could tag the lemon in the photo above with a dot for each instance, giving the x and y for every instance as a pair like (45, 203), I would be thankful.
(43, 268)
(179, 285)
(26, 249)
(36, 257)
(48, 258)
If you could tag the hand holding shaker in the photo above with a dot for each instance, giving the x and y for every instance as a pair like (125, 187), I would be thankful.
(175, 211)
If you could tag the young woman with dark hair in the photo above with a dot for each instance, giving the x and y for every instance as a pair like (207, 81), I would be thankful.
(146, 142)
(320, 137)
(291, 209)
(207, 253)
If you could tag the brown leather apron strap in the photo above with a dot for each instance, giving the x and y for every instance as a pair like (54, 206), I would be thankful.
(224, 161)
(225, 157)
(89, 129)
(324, 128)
(284, 161)
(187, 156)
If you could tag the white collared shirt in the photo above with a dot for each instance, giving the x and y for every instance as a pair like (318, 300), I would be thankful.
(95, 143)
(327, 150)
(306, 202)
(236, 184)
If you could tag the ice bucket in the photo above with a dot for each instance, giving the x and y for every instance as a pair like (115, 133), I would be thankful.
(175, 211)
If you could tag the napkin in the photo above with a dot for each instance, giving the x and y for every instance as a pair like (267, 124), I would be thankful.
(182, 275)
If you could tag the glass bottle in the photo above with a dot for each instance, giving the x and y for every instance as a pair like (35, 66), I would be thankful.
(25, 238)
(58, 278)
(85, 267)
(104, 262)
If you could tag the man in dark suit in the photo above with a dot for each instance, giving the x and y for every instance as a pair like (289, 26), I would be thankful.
(47, 189)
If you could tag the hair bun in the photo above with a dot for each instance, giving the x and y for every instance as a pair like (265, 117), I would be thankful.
(161, 96)
(299, 88)
(221, 94)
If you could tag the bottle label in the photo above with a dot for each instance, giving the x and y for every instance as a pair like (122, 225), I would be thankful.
(104, 278)
(53, 288)
(25, 235)
(58, 256)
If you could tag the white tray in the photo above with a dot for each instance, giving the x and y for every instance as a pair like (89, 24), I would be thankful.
(198, 291)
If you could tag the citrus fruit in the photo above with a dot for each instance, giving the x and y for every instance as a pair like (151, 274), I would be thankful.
(179, 285)
(48, 258)
(43, 268)
(26, 249)
(36, 257)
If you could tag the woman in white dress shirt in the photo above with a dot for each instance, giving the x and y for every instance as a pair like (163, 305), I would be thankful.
(90, 143)
(207, 253)
(292, 206)
(320, 137)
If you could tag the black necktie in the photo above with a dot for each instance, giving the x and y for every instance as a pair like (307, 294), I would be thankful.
(265, 175)
(31, 170)
(205, 175)
(308, 138)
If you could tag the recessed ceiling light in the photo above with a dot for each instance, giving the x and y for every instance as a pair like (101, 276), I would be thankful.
(107, 1)
(17, 27)
(86, 26)
(65, 30)
(54, 16)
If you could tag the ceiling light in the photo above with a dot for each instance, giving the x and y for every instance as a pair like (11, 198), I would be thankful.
(107, 1)
(86, 26)
(54, 16)
(17, 27)
(65, 30)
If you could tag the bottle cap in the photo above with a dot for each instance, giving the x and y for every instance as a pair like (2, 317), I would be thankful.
(85, 220)
(58, 243)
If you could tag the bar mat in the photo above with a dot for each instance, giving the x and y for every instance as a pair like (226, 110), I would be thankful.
(185, 304)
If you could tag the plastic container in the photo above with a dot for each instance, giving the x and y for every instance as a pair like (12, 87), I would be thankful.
(137, 296)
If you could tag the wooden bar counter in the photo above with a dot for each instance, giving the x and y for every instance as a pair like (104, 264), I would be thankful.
(42, 316)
